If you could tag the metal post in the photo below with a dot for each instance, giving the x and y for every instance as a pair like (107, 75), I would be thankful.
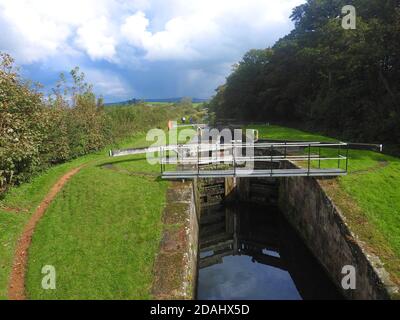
(216, 156)
(198, 160)
(339, 149)
(309, 159)
(347, 157)
(234, 160)
(161, 161)
(285, 151)
(272, 153)
(164, 162)
(319, 157)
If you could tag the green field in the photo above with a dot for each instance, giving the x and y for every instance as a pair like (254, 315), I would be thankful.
(369, 195)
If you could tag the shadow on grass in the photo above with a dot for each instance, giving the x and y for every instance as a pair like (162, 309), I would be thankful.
(148, 175)
(121, 161)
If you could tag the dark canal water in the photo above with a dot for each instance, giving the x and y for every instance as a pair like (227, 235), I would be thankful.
(249, 251)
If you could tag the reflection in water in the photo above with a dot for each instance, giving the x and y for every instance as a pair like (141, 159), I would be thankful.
(250, 252)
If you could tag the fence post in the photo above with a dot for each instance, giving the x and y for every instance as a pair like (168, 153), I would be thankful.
(272, 153)
(319, 157)
(234, 160)
(161, 160)
(309, 159)
(198, 159)
(285, 154)
(216, 156)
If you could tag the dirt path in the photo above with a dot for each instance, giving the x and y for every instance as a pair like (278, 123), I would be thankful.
(16, 288)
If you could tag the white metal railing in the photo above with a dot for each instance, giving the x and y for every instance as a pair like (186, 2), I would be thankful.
(193, 154)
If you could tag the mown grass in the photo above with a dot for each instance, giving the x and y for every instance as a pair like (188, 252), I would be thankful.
(101, 233)
(16, 208)
(369, 195)
(282, 133)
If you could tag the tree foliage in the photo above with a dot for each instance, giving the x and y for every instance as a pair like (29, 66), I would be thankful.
(36, 132)
(343, 81)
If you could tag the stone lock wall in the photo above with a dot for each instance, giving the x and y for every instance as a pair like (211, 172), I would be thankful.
(323, 227)
(175, 269)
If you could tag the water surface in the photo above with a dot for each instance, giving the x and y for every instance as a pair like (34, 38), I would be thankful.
(249, 251)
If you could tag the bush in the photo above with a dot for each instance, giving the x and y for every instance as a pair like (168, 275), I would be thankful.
(22, 128)
(37, 132)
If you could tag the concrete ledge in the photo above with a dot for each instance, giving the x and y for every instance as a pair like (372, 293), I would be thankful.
(175, 269)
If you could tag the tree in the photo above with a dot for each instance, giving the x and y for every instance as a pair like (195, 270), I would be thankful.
(36, 133)
(22, 129)
(345, 82)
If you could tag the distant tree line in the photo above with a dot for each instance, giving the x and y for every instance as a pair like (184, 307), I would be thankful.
(344, 82)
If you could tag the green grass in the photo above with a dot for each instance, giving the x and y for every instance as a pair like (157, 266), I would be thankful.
(23, 200)
(369, 193)
(101, 233)
(94, 196)
(282, 133)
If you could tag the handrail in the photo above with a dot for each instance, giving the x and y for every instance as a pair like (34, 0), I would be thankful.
(209, 146)
(193, 155)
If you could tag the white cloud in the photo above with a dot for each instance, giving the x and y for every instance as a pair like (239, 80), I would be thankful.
(34, 30)
(136, 34)
(134, 29)
(171, 43)
(198, 29)
(37, 29)
(95, 37)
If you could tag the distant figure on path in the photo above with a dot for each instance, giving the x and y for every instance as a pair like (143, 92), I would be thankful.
(183, 120)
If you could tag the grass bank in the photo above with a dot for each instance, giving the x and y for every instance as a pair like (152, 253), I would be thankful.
(102, 230)
(369, 195)
(17, 207)
(101, 233)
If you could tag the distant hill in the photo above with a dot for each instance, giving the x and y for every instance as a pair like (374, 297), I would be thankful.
(166, 100)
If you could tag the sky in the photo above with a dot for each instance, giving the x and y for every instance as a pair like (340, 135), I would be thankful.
(140, 48)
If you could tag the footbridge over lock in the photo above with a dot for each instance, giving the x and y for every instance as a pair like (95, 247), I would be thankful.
(237, 159)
